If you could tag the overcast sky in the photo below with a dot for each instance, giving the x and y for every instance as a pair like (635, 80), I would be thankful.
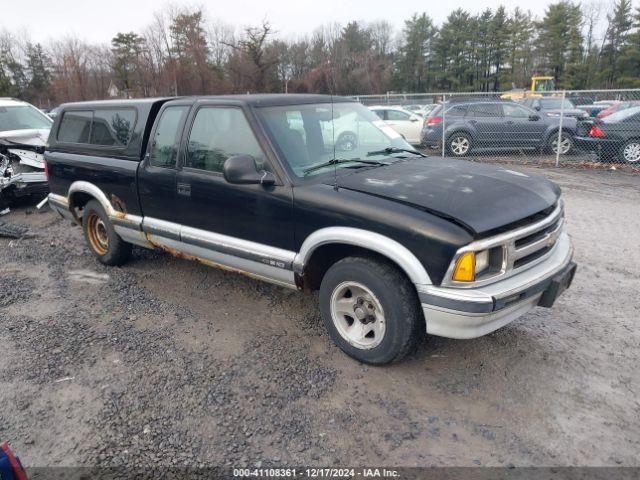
(100, 21)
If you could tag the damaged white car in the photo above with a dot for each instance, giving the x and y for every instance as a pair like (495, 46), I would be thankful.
(24, 131)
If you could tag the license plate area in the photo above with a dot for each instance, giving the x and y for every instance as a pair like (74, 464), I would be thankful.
(559, 284)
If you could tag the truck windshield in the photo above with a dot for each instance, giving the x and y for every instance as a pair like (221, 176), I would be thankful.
(23, 117)
(544, 85)
(310, 135)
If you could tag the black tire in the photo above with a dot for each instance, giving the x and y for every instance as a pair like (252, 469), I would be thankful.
(404, 325)
(629, 152)
(347, 142)
(566, 137)
(456, 144)
(101, 237)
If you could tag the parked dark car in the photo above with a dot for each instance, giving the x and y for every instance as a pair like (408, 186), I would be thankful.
(616, 136)
(592, 109)
(554, 106)
(396, 243)
(617, 107)
(495, 125)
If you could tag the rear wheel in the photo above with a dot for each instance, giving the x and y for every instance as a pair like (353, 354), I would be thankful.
(566, 143)
(459, 144)
(103, 240)
(371, 310)
(630, 152)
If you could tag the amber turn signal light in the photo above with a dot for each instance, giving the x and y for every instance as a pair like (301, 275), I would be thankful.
(465, 270)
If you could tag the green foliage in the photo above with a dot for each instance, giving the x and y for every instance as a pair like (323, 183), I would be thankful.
(126, 49)
(618, 43)
(415, 60)
(560, 42)
(629, 60)
(182, 53)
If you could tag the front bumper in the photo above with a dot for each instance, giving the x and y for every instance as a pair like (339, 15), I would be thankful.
(470, 313)
(23, 185)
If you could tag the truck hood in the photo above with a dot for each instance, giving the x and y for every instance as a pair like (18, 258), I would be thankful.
(479, 197)
(34, 137)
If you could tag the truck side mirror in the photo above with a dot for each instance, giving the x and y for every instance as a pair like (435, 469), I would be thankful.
(242, 170)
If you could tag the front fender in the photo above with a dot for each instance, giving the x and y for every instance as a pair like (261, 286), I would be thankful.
(381, 244)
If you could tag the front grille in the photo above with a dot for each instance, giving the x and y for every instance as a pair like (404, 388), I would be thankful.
(514, 249)
(524, 241)
(532, 245)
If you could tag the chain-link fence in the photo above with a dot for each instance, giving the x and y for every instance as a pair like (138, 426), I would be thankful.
(556, 127)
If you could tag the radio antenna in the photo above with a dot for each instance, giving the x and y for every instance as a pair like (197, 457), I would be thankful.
(333, 128)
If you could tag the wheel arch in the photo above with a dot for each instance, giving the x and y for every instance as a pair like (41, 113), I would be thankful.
(81, 192)
(459, 129)
(554, 131)
(324, 247)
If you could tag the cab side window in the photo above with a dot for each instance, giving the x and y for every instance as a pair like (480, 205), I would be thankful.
(217, 134)
(485, 110)
(515, 111)
(396, 115)
(164, 147)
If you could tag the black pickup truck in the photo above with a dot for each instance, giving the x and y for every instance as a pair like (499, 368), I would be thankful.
(317, 194)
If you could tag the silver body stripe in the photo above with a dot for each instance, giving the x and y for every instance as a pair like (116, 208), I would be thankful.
(258, 260)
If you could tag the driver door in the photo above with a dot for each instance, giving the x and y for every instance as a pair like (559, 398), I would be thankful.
(523, 127)
(207, 202)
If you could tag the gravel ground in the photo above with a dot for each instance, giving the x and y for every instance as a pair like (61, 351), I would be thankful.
(166, 362)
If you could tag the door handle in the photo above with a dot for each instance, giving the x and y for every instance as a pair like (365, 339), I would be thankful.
(184, 189)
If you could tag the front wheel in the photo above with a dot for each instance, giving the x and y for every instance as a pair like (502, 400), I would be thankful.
(103, 240)
(630, 152)
(371, 310)
(566, 143)
(459, 144)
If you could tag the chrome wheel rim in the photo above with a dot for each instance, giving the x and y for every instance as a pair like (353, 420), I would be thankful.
(357, 315)
(97, 233)
(460, 145)
(565, 145)
(631, 152)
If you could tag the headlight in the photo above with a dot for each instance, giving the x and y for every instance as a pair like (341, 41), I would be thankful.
(482, 261)
(471, 265)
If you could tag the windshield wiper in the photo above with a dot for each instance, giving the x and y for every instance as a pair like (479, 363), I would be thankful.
(390, 150)
(336, 161)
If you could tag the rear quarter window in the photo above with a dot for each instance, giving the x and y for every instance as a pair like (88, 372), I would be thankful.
(457, 111)
(112, 128)
(101, 127)
(75, 127)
